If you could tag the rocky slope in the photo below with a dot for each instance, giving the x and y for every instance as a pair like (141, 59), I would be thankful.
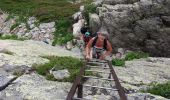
(28, 29)
(135, 24)
(19, 56)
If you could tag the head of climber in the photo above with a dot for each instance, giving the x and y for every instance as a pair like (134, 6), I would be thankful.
(101, 36)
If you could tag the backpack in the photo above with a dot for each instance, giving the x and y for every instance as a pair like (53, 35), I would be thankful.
(83, 30)
(104, 44)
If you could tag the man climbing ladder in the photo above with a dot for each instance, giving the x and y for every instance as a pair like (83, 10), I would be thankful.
(98, 47)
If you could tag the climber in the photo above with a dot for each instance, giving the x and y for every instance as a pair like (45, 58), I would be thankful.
(98, 47)
(86, 35)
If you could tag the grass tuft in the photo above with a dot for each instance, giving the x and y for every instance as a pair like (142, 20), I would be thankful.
(129, 56)
(160, 89)
(136, 55)
(118, 62)
(11, 37)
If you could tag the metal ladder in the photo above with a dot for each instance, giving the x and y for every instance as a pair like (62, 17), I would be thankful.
(78, 85)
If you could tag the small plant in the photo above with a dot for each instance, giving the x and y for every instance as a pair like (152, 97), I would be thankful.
(50, 77)
(160, 89)
(136, 55)
(118, 62)
(17, 73)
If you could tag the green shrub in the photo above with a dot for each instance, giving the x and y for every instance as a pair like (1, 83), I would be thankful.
(160, 89)
(58, 63)
(136, 55)
(118, 62)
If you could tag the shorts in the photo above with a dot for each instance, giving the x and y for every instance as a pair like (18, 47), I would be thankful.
(97, 52)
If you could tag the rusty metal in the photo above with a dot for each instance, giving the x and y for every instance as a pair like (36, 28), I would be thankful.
(76, 83)
(117, 83)
(80, 91)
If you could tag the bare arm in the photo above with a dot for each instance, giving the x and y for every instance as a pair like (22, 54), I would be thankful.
(109, 49)
(88, 47)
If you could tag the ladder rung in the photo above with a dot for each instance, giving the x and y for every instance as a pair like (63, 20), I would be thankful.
(100, 87)
(98, 78)
(96, 63)
(97, 71)
(96, 60)
(74, 98)
(97, 67)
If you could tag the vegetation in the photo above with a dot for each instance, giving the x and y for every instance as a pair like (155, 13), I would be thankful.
(160, 89)
(89, 8)
(12, 37)
(63, 32)
(59, 63)
(44, 10)
(18, 73)
(118, 62)
(59, 11)
(129, 56)
(136, 55)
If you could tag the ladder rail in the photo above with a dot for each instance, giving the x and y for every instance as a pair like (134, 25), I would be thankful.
(75, 85)
(117, 83)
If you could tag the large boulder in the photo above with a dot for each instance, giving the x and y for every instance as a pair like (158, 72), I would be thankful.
(77, 28)
(137, 24)
(95, 23)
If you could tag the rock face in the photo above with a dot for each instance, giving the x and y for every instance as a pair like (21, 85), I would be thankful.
(29, 30)
(35, 87)
(78, 17)
(138, 74)
(137, 24)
